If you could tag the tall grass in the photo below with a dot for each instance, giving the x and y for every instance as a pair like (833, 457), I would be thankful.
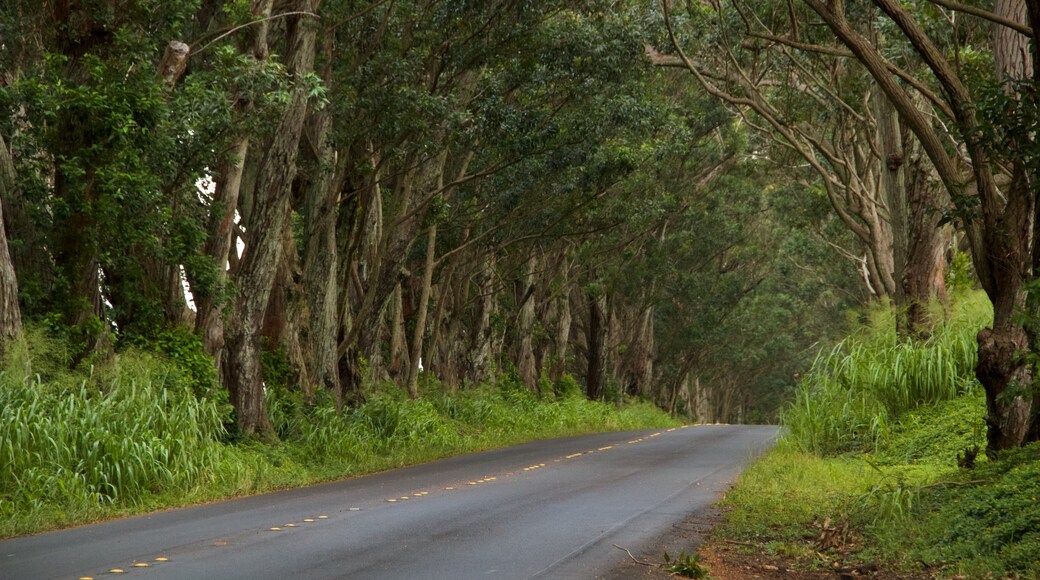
(390, 429)
(854, 391)
(110, 437)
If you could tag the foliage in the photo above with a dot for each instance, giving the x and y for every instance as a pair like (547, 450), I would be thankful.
(184, 349)
(685, 565)
(992, 526)
(112, 436)
(854, 392)
(937, 434)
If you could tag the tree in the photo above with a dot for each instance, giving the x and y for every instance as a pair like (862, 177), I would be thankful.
(255, 276)
(1000, 221)
(10, 311)
(825, 115)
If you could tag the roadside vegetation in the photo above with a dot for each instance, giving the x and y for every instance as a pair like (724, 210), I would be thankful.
(143, 431)
(883, 464)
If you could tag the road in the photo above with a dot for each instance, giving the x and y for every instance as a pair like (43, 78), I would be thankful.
(547, 509)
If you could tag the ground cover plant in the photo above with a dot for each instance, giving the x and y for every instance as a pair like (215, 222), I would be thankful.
(138, 432)
(880, 465)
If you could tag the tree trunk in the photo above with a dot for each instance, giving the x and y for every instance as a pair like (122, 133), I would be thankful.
(209, 301)
(415, 357)
(893, 188)
(10, 312)
(596, 334)
(999, 369)
(1005, 373)
(524, 353)
(480, 348)
(398, 347)
(924, 281)
(209, 320)
(321, 261)
(258, 268)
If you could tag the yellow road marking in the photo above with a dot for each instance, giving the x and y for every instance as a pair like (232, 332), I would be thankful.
(117, 570)
(323, 517)
(573, 455)
(492, 478)
(404, 497)
(86, 578)
(656, 434)
(605, 448)
(141, 564)
(290, 525)
(450, 488)
(308, 520)
(162, 559)
(472, 483)
(391, 500)
(275, 529)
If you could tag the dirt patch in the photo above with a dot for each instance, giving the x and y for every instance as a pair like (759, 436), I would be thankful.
(689, 535)
(726, 561)
(729, 560)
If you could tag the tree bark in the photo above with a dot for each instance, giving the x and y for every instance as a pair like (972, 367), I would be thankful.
(525, 318)
(258, 268)
(210, 302)
(10, 311)
(893, 187)
(481, 334)
(415, 357)
(398, 347)
(596, 334)
(321, 260)
(924, 281)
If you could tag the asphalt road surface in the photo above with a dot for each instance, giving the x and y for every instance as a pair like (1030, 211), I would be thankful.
(548, 509)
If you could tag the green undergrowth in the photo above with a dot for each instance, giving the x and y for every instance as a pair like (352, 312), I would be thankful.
(138, 432)
(855, 391)
(885, 473)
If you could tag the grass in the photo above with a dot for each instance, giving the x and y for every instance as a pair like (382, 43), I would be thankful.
(136, 434)
(894, 480)
(854, 392)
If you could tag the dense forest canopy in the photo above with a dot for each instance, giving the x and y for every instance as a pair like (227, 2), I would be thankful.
(676, 201)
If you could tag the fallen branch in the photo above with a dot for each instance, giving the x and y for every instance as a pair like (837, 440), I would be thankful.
(652, 565)
(736, 543)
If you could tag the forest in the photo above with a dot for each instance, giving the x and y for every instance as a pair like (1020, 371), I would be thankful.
(295, 210)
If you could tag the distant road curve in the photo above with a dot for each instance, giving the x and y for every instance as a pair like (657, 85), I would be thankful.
(547, 509)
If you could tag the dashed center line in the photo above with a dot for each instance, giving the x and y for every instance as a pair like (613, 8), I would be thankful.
(418, 494)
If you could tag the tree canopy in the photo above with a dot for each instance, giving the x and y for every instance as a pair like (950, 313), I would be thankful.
(677, 201)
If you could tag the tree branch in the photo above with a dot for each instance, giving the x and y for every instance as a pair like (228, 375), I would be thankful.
(985, 15)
